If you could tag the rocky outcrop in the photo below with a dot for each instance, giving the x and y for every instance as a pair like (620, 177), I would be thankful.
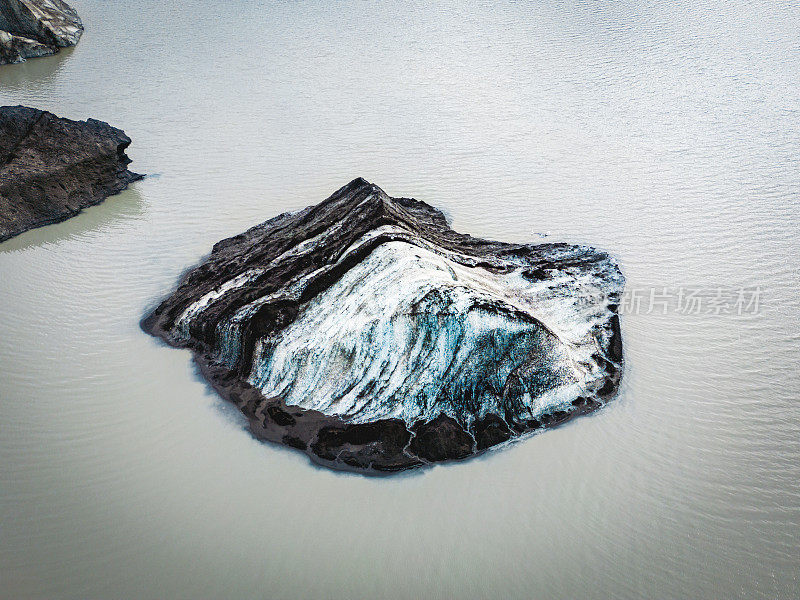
(30, 28)
(368, 334)
(51, 168)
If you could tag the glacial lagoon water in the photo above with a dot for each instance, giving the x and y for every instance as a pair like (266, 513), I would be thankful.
(667, 133)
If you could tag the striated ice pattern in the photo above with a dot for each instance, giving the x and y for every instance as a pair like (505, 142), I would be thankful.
(408, 333)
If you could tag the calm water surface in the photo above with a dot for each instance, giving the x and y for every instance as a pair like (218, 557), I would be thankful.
(667, 133)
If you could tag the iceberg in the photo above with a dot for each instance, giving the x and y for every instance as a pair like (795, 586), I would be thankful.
(367, 333)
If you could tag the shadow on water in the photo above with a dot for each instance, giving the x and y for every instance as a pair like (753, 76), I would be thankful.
(124, 206)
(34, 73)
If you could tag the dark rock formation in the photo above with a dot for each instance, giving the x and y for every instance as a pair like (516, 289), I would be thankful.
(30, 28)
(51, 168)
(368, 334)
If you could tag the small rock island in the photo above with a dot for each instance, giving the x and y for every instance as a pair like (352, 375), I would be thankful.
(31, 28)
(367, 333)
(51, 168)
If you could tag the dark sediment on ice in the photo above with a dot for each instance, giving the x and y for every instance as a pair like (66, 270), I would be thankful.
(51, 168)
(31, 28)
